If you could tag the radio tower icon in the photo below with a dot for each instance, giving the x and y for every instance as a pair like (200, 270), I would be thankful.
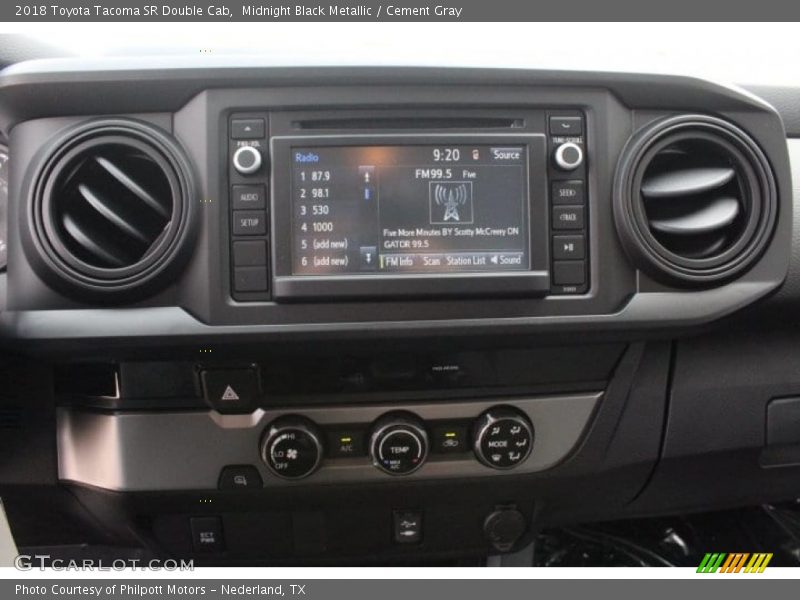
(454, 198)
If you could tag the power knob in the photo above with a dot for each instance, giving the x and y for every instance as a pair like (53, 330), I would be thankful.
(398, 445)
(503, 438)
(247, 160)
(568, 156)
(291, 447)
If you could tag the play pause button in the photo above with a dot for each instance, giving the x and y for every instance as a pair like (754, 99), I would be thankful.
(569, 247)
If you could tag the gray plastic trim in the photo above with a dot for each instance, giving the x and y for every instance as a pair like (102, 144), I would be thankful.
(199, 311)
(187, 450)
(115, 79)
(657, 310)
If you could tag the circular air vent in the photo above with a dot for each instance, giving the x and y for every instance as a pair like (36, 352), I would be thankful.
(695, 200)
(111, 206)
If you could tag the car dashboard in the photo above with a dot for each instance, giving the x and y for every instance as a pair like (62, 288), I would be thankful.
(351, 315)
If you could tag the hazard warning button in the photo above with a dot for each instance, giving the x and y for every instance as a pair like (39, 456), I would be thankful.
(231, 391)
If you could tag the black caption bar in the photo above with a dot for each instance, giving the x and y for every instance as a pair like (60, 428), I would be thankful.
(398, 10)
(343, 589)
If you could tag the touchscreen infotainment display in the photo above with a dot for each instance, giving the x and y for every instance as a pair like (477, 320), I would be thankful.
(421, 209)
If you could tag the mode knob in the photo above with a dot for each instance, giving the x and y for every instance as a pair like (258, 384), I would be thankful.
(247, 160)
(503, 438)
(568, 156)
(398, 445)
(291, 447)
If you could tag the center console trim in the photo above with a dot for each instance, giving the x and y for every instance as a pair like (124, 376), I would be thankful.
(120, 451)
(197, 311)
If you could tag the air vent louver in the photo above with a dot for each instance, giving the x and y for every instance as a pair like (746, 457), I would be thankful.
(695, 199)
(111, 206)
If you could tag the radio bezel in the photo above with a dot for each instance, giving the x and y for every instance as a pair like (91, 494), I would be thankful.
(532, 282)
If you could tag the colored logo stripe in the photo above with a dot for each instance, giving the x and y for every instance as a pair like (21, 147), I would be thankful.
(711, 563)
(734, 562)
(758, 563)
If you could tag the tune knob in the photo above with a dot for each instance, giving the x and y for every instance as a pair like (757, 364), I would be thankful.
(247, 160)
(503, 438)
(291, 447)
(399, 444)
(568, 156)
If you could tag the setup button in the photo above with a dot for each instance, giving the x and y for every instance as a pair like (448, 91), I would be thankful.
(249, 222)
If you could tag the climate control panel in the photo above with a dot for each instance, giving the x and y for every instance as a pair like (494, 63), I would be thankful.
(437, 439)
(399, 443)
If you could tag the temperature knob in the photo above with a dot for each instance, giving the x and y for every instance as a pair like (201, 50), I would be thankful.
(399, 445)
(247, 160)
(291, 447)
(503, 438)
(568, 156)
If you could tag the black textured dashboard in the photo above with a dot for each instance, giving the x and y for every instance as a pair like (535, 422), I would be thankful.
(323, 301)
(614, 295)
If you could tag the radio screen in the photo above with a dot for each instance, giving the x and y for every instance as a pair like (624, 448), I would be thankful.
(409, 209)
